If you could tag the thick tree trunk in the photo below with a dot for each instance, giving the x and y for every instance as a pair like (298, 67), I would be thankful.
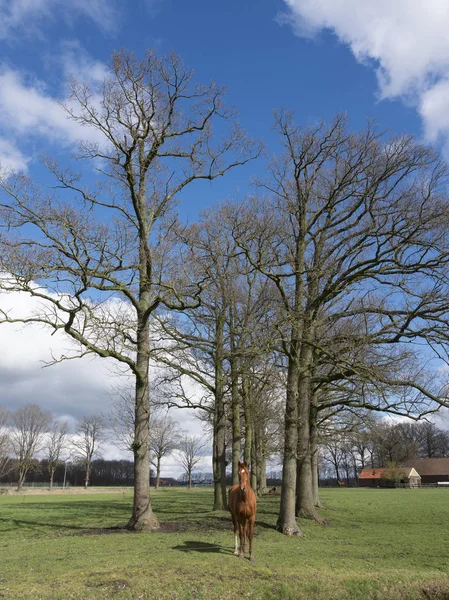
(315, 480)
(249, 427)
(261, 465)
(219, 442)
(314, 446)
(236, 432)
(286, 522)
(260, 476)
(219, 461)
(52, 474)
(254, 464)
(142, 517)
(305, 499)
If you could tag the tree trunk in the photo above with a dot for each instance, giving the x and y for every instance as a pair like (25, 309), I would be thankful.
(315, 479)
(337, 471)
(52, 474)
(158, 471)
(219, 463)
(259, 461)
(286, 522)
(21, 480)
(262, 466)
(305, 500)
(254, 465)
(219, 444)
(248, 422)
(236, 432)
(142, 517)
(314, 446)
(87, 476)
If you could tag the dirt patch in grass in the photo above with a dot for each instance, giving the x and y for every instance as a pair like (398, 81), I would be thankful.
(113, 586)
(435, 591)
(212, 524)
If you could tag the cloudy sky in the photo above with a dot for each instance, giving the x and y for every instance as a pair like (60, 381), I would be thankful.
(384, 60)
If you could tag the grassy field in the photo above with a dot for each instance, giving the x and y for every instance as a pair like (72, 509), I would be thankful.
(380, 544)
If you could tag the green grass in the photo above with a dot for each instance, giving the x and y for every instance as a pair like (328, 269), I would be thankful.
(380, 544)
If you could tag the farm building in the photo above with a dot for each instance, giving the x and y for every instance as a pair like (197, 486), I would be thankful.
(389, 477)
(432, 470)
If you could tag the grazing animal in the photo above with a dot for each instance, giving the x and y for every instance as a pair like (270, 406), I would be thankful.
(242, 504)
(341, 483)
(272, 491)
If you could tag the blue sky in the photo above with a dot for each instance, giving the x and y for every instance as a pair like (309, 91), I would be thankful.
(310, 56)
(381, 59)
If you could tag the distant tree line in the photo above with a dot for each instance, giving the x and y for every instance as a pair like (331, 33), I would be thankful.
(33, 444)
(102, 473)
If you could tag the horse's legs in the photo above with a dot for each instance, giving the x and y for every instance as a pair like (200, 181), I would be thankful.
(236, 527)
(250, 537)
(242, 531)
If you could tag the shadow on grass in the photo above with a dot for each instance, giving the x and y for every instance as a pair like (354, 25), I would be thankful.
(205, 525)
(88, 517)
(77, 529)
(195, 546)
(41, 524)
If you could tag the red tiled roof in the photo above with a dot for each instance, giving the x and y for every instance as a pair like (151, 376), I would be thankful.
(429, 466)
(371, 473)
(377, 473)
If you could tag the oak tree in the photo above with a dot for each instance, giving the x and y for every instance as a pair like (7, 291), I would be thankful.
(99, 255)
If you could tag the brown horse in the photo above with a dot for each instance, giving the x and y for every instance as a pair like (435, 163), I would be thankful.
(242, 504)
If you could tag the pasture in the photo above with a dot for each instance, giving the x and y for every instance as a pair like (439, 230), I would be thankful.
(380, 544)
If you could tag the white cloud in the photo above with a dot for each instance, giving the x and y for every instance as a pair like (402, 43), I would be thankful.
(26, 109)
(76, 63)
(29, 112)
(405, 41)
(70, 389)
(26, 17)
(11, 158)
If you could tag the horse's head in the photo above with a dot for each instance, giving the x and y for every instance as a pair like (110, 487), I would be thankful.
(244, 481)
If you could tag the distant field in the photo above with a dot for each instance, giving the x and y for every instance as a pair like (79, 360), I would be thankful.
(380, 544)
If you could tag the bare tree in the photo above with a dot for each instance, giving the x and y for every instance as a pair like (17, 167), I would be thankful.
(350, 226)
(90, 433)
(211, 342)
(6, 463)
(154, 138)
(164, 438)
(433, 442)
(54, 447)
(165, 431)
(29, 425)
(189, 454)
(122, 419)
